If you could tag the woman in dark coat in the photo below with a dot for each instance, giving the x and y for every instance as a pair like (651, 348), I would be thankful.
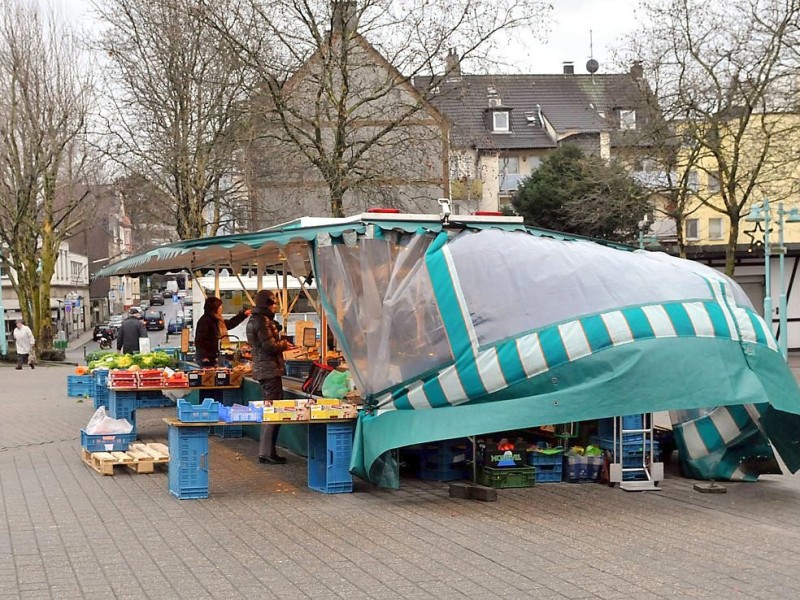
(211, 328)
(263, 335)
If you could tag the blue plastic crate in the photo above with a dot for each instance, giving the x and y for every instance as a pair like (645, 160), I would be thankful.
(80, 386)
(631, 444)
(452, 472)
(605, 427)
(188, 462)
(250, 415)
(549, 467)
(207, 412)
(100, 378)
(228, 431)
(122, 405)
(107, 442)
(152, 399)
(329, 450)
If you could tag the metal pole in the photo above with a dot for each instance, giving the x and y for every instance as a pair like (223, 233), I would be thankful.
(783, 341)
(3, 341)
(767, 278)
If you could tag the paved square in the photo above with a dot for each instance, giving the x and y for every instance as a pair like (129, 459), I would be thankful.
(68, 532)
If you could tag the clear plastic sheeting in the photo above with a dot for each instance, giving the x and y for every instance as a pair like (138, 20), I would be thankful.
(515, 283)
(382, 301)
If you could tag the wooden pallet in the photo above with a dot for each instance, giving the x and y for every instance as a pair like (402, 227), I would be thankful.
(140, 458)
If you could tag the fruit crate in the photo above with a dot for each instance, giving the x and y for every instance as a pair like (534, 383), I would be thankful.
(80, 386)
(207, 412)
(510, 477)
(242, 414)
(582, 469)
(106, 442)
(443, 461)
(329, 450)
(491, 456)
(188, 467)
(549, 467)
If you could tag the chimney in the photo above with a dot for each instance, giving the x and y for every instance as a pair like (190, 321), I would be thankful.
(452, 64)
(637, 71)
(569, 68)
(344, 16)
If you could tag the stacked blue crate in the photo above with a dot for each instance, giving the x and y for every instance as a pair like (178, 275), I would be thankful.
(188, 462)
(329, 449)
(445, 460)
(80, 386)
(549, 467)
(100, 387)
(632, 452)
(122, 405)
(605, 427)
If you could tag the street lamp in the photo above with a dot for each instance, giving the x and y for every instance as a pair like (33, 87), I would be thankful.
(761, 212)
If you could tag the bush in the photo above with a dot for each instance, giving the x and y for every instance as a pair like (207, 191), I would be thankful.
(52, 355)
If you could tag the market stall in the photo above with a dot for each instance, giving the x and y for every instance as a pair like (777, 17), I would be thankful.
(460, 326)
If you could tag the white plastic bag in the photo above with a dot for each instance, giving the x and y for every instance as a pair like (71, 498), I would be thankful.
(101, 423)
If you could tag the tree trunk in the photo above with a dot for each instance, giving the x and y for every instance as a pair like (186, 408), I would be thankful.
(337, 196)
(730, 247)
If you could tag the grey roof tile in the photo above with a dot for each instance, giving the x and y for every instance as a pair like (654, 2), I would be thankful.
(571, 104)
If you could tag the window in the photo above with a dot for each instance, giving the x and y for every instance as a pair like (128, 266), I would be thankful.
(509, 174)
(692, 229)
(713, 182)
(715, 231)
(692, 182)
(627, 119)
(500, 121)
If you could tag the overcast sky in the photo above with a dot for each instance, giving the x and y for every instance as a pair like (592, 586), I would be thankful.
(567, 40)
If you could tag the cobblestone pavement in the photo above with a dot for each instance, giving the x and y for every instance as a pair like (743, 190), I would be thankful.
(67, 532)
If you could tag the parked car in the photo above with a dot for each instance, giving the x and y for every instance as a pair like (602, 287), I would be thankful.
(116, 322)
(104, 329)
(156, 298)
(154, 320)
(175, 325)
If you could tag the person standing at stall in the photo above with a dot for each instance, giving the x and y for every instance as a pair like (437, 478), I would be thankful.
(130, 331)
(263, 335)
(212, 329)
(24, 341)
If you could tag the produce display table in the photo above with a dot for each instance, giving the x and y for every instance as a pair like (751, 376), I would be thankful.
(123, 402)
(330, 444)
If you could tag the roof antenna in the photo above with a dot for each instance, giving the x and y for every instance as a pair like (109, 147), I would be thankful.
(592, 65)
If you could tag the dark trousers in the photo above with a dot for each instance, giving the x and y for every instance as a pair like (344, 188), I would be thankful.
(22, 360)
(272, 389)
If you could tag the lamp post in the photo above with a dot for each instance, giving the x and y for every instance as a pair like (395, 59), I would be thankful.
(759, 212)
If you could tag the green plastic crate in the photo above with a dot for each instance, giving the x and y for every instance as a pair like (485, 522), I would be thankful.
(510, 477)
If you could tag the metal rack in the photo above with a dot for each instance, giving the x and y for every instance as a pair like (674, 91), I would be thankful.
(627, 443)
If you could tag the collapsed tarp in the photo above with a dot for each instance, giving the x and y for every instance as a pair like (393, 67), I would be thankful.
(454, 335)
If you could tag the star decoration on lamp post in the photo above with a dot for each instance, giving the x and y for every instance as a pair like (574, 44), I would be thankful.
(756, 242)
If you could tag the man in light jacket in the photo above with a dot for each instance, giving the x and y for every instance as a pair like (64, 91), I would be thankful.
(23, 338)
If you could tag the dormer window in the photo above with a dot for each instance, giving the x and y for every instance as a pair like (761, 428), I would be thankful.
(501, 121)
(627, 119)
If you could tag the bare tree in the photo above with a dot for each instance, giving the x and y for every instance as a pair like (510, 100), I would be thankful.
(337, 94)
(45, 94)
(725, 84)
(178, 98)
